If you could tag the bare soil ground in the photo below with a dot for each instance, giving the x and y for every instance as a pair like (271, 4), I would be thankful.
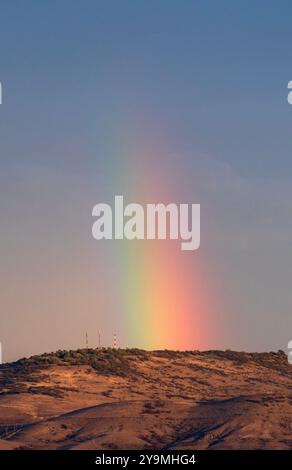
(132, 399)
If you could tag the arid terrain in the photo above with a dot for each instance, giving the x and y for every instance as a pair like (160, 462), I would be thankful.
(133, 399)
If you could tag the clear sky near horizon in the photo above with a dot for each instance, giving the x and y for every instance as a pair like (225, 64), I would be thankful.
(165, 101)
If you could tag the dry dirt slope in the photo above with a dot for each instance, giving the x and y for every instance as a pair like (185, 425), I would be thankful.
(132, 399)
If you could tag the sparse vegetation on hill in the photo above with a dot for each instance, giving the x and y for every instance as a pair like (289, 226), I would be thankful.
(122, 362)
(106, 361)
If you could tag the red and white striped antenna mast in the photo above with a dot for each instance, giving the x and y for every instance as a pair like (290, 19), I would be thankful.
(115, 341)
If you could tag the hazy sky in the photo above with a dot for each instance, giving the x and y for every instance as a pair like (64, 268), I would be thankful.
(178, 100)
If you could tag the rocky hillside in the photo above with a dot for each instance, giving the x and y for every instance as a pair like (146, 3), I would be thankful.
(133, 399)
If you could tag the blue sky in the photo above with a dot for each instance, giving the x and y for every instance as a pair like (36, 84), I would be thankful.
(209, 79)
(214, 74)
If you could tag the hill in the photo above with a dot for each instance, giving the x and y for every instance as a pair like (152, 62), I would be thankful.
(134, 399)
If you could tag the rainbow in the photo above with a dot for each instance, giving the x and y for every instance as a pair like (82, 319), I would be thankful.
(162, 294)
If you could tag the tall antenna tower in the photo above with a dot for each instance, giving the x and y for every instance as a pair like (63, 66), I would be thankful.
(86, 340)
(99, 339)
(115, 341)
